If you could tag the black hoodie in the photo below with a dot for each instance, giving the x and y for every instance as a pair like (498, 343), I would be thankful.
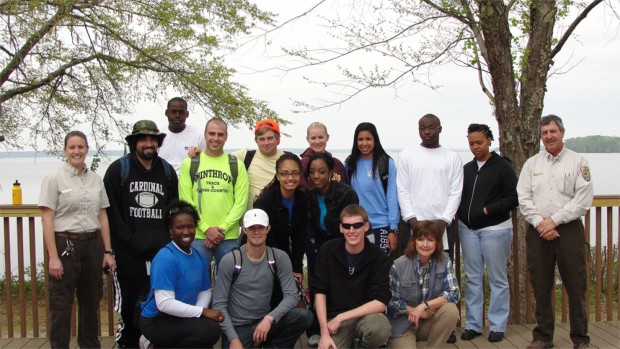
(492, 186)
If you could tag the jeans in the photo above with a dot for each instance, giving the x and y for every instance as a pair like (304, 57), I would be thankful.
(490, 248)
(283, 334)
(220, 250)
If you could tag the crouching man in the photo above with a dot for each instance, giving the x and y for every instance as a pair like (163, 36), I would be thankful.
(352, 286)
(244, 288)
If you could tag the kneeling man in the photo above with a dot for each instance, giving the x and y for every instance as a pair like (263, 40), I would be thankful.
(352, 286)
(243, 292)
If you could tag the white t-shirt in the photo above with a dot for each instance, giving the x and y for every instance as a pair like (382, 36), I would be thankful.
(175, 146)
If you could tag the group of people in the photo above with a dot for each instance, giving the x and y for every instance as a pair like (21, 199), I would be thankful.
(206, 246)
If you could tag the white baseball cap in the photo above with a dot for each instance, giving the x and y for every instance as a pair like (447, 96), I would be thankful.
(254, 217)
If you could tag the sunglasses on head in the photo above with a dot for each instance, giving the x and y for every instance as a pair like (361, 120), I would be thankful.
(348, 226)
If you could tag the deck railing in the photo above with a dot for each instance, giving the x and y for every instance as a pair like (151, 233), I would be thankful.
(21, 244)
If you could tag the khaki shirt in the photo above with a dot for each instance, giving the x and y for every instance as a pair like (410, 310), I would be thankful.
(560, 187)
(76, 199)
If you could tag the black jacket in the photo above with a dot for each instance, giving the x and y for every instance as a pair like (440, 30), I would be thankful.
(493, 186)
(290, 238)
(339, 195)
(344, 290)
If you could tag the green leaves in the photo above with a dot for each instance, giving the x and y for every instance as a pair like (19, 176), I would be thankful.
(100, 57)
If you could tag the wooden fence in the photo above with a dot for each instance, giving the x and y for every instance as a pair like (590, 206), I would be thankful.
(24, 312)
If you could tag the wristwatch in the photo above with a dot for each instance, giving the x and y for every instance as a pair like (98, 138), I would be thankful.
(395, 231)
(427, 307)
(110, 252)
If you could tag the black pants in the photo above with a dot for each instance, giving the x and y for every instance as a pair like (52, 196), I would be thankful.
(166, 331)
(132, 278)
(81, 276)
(569, 252)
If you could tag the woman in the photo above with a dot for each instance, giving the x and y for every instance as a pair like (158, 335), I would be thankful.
(285, 204)
(176, 313)
(326, 200)
(485, 230)
(317, 138)
(77, 238)
(424, 292)
(372, 173)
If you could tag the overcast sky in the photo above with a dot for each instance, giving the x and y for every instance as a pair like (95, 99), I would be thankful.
(587, 97)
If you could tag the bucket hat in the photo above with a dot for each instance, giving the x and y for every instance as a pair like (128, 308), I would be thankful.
(143, 128)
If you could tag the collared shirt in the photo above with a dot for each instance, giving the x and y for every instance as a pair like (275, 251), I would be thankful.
(75, 197)
(451, 292)
(558, 187)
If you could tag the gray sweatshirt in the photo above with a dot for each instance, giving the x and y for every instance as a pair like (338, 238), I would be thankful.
(247, 300)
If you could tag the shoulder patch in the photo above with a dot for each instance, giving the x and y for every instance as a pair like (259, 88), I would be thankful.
(585, 173)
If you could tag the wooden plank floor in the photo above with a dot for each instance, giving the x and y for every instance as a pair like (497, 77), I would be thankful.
(603, 335)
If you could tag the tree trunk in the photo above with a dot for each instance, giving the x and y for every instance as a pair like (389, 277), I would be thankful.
(516, 120)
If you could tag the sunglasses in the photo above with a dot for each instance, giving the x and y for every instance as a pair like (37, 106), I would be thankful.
(176, 210)
(347, 226)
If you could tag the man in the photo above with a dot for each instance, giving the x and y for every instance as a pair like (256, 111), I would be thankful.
(261, 164)
(352, 286)
(181, 136)
(218, 188)
(429, 179)
(555, 191)
(244, 288)
(139, 186)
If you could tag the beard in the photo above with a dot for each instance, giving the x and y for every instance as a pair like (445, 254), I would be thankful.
(146, 153)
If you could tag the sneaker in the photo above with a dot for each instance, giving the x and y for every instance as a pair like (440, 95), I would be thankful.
(145, 343)
(581, 346)
(452, 338)
(496, 336)
(314, 340)
(538, 344)
(469, 335)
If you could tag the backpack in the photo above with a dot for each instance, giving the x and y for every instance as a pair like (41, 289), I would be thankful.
(232, 162)
(276, 294)
(126, 165)
(249, 155)
(383, 165)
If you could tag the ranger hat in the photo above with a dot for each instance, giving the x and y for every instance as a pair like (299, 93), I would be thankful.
(143, 128)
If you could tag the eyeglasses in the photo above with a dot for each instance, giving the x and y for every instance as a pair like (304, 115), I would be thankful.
(347, 226)
(176, 210)
(286, 174)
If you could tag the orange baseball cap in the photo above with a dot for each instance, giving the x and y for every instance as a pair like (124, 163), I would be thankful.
(267, 123)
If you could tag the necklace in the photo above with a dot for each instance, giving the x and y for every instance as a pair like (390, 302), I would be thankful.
(351, 270)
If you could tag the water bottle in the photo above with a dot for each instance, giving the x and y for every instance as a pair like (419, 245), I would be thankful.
(17, 193)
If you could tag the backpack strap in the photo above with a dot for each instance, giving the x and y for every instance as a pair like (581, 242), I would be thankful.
(238, 261)
(383, 165)
(168, 170)
(249, 155)
(193, 168)
(124, 169)
(271, 260)
(234, 168)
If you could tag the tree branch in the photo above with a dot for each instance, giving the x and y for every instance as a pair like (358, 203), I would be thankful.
(573, 26)
(32, 41)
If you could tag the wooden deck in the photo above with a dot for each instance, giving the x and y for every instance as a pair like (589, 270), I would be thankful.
(603, 335)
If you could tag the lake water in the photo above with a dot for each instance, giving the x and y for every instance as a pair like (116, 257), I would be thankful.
(31, 171)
